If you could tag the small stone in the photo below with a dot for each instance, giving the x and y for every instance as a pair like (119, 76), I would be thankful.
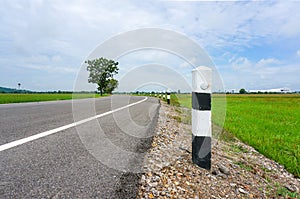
(143, 179)
(147, 189)
(291, 188)
(184, 149)
(243, 191)
(248, 183)
(215, 172)
(155, 192)
(156, 178)
(213, 177)
(179, 175)
(236, 191)
(150, 195)
(153, 184)
(223, 169)
(160, 166)
(173, 191)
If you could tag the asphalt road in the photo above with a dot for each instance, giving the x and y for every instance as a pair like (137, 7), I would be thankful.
(98, 158)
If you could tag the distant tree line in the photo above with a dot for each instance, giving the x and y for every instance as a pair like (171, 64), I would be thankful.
(243, 91)
(46, 92)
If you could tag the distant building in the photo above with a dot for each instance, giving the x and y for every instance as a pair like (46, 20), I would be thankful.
(275, 90)
(232, 91)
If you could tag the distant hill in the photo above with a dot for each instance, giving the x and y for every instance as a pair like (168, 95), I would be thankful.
(12, 90)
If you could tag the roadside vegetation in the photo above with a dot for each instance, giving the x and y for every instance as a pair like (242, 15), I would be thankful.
(268, 122)
(6, 98)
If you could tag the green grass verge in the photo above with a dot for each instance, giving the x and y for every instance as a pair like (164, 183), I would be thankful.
(269, 123)
(38, 97)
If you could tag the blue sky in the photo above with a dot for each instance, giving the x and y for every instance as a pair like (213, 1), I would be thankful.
(254, 45)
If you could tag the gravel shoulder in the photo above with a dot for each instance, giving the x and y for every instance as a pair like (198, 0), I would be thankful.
(238, 170)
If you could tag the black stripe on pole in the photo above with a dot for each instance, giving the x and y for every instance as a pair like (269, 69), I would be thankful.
(201, 151)
(201, 101)
(168, 97)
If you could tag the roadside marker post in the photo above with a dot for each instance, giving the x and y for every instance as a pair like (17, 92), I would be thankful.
(168, 96)
(201, 116)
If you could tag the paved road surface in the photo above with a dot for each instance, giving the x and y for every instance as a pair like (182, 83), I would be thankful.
(71, 163)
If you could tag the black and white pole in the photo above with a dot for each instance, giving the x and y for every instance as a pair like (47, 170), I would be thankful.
(201, 116)
(168, 96)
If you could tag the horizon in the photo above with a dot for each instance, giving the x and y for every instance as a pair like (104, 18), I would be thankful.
(156, 91)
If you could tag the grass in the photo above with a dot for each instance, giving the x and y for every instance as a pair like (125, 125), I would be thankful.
(284, 192)
(269, 123)
(38, 97)
(175, 117)
(183, 99)
(238, 148)
(244, 166)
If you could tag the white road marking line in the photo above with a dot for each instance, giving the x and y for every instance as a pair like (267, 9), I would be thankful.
(46, 133)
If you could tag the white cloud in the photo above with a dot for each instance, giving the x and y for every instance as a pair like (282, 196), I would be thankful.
(262, 74)
(298, 52)
(235, 24)
(214, 24)
(244, 64)
(241, 63)
(153, 75)
(50, 68)
(267, 62)
(267, 78)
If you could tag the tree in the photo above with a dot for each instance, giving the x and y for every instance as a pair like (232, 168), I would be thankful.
(102, 71)
(243, 91)
(112, 84)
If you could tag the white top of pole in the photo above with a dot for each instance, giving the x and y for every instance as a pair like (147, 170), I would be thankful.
(202, 79)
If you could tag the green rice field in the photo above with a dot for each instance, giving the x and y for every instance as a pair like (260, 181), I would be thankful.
(268, 122)
(38, 97)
